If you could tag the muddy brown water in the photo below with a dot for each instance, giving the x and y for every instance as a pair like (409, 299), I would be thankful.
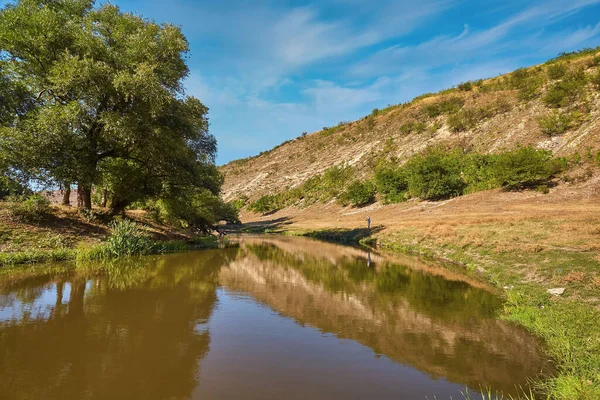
(268, 318)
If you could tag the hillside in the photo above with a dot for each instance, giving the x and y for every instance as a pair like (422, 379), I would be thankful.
(554, 106)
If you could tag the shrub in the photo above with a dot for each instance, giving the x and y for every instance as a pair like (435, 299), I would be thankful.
(524, 167)
(567, 91)
(411, 126)
(265, 204)
(33, 208)
(240, 202)
(466, 86)
(463, 120)
(11, 187)
(126, 240)
(435, 175)
(446, 106)
(557, 71)
(335, 179)
(391, 183)
(555, 123)
(476, 172)
(407, 127)
(359, 193)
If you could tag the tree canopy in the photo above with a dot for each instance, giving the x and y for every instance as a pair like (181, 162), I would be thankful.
(95, 97)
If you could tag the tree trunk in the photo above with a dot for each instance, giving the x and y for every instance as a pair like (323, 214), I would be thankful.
(84, 196)
(104, 198)
(66, 200)
(76, 298)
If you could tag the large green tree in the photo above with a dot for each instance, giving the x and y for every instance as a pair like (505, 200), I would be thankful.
(101, 102)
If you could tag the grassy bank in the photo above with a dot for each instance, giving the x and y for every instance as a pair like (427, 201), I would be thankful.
(567, 324)
(100, 252)
(64, 234)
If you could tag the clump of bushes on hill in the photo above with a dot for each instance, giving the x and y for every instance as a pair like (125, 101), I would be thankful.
(359, 193)
(567, 91)
(434, 175)
(412, 127)
(557, 71)
(556, 123)
(391, 183)
(33, 208)
(265, 204)
(524, 167)
(446, 106)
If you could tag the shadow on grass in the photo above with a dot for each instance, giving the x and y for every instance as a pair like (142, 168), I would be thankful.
(269, 226)
(347, 236)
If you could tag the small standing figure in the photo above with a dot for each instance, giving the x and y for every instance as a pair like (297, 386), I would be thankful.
(368, 222)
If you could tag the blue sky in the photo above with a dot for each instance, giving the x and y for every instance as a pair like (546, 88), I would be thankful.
(272, 69)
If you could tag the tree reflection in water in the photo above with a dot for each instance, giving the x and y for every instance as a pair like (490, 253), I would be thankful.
(129, 333)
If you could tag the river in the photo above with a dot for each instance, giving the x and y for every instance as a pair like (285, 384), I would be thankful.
(268, 317)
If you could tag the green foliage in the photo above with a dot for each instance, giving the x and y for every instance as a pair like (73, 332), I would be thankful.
(265, 204)
(557, 71)
(435, 175)
(466, 86)
(36, 256)
(412, 126)
(477, 172)
(239, 202)
(446, 106)
(33, 208)
(567, 91)
(110, 106)
(11, 187)
(335, 179)
(556, 123)
(391, 183)
(359, 193)
(465, 119)
(197, 209)
(126, 240)
(524, 167)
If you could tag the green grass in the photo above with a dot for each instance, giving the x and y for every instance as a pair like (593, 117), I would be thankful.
(36, 256)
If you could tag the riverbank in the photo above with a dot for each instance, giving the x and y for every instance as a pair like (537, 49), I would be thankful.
(522, 242)
(65, 234)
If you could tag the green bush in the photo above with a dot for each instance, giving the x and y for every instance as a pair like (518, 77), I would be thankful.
(265, 204)
(567, 91)
(239, 202)
(555, 123)
(465, 119)
(126, 239)
(476, 172)
(557, 71)
(466, 86)
(359, 193)
(524, 167)
(391, 183)
(11, 187)
(411, 126)
(446, 106)
(435, 175)
(33, 208)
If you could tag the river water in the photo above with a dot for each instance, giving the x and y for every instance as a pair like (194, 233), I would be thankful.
(267, 318)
